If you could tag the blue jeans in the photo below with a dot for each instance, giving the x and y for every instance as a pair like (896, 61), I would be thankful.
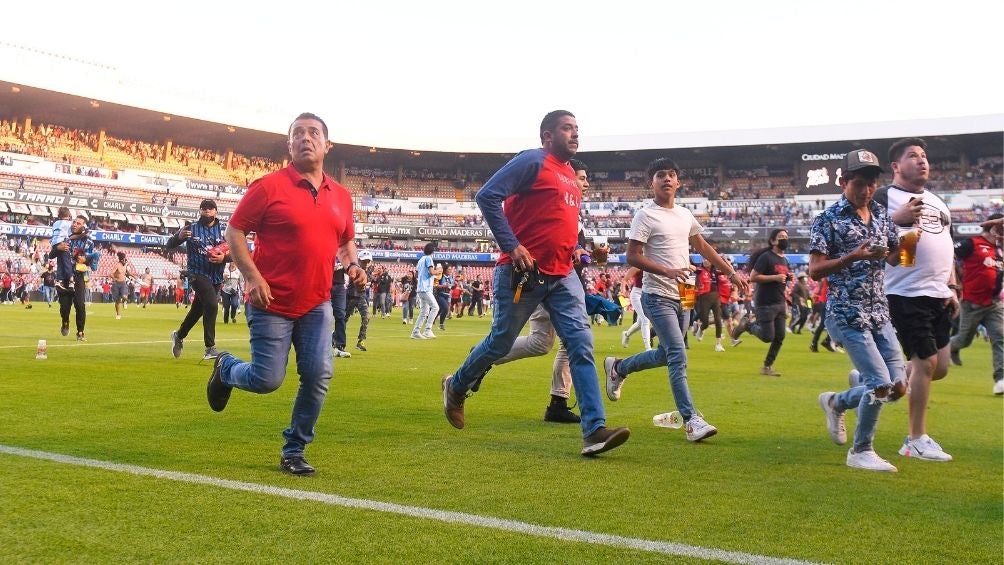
(49, 294)
(668, 320)
(271, 336)
(876, 354)
(564, 300)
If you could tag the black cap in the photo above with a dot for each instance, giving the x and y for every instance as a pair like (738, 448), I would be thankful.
(208, 204)
(860, 159)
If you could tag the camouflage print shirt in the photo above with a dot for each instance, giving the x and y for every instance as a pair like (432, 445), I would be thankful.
(856, 293)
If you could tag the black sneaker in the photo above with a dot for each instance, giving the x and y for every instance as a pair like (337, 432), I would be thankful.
(64, 329)
(956, 359)
(360, 345)
(217, 392)
(80, 336)
(559, 413)
(295, 465)
(828, 345)
(813, 348)
(604, 439)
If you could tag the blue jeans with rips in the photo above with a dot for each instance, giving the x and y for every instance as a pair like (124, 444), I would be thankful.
(668, 320)
(876, 354)
(271, 337)
(564, 299)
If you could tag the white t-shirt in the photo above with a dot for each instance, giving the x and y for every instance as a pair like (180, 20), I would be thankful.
(935, 249)
(666, 233)
(232, 281)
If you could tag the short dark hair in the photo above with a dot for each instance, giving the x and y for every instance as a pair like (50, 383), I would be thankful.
(429, 248)
(661, 164)
(207, 204)
(578, 165)
(310, 116)
(82, 217)
(550, 121)
(899, 148)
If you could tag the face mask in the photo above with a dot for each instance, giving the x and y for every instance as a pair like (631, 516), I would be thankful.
(205, 220)
(782, 244)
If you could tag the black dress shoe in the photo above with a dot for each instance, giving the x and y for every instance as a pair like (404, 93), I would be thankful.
(295, 465)
(217, 392)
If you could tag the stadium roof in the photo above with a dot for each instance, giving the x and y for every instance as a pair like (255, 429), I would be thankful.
(753, 147)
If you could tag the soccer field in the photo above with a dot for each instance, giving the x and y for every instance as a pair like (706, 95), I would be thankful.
(109, 452)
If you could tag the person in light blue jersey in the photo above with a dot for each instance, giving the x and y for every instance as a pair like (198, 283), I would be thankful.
(426, 270)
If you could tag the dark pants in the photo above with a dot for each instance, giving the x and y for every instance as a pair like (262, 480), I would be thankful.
(75, 298)
(354, 303)
(444, 306)
(205, 306)
(408, 308)
(476, 300)
(709, 302)
(769, 327)
(799, 314)
(338, 309)
(819, 329)
(230, 304)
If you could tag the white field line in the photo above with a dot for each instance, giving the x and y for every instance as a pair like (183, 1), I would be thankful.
(566, 534)
(51, 343)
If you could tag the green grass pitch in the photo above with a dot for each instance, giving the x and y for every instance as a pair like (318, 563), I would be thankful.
(771, 483)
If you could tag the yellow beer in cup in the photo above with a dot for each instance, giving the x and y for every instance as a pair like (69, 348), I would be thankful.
(688, 291)
(908, 247)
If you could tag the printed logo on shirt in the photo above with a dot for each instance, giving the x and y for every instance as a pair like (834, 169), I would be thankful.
(933, 220)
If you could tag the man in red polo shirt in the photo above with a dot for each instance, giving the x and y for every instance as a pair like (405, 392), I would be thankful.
(302, 219)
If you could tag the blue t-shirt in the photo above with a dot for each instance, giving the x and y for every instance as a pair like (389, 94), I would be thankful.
(424, 277)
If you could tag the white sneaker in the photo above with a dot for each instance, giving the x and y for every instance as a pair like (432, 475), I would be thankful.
(834, 419)
(838, 348)
(341, 353)
(417, 336)
(999, 387)
(719, 348)
(614, 381)
(624, 339)
(923, 448)
(427, 334)
(698, 429)
(176, 345)
(698, 332)
(869, 460)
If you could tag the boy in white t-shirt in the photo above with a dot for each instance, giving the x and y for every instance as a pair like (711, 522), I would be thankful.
(659, 244)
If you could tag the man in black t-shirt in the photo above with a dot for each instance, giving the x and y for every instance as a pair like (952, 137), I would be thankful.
(477, 297)
(49, 285)
(771, 273)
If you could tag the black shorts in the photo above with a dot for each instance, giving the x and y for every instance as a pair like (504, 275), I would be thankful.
(922, 324)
